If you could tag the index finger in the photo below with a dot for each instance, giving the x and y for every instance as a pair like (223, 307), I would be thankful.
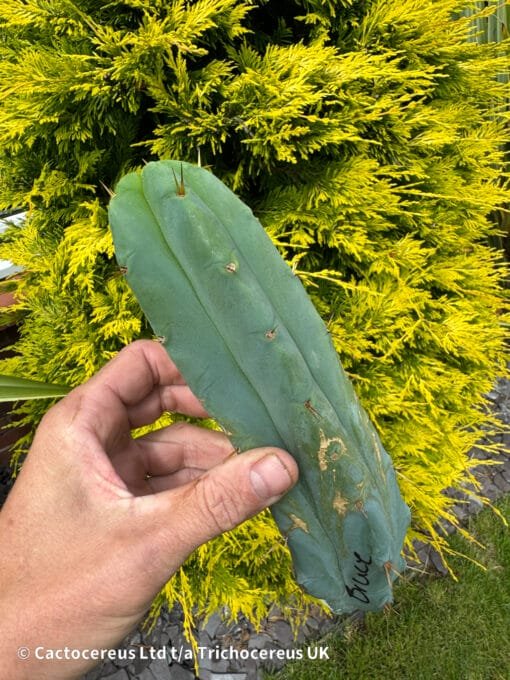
(133, 389)
(136, 370)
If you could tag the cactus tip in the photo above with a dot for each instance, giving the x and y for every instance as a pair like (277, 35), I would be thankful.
(179, 186)
(110, 193)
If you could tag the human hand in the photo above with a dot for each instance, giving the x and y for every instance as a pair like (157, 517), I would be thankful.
(97, 521)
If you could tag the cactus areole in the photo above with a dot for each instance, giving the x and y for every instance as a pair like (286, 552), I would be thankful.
(246, 337)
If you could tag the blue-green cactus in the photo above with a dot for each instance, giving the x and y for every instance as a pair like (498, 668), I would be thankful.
(246, 337)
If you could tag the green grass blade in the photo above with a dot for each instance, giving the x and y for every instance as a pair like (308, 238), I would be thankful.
(13, 388)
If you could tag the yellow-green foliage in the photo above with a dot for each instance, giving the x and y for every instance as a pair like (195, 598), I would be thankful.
(366, 135)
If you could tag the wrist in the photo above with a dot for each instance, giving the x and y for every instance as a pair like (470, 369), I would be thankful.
(31, 633)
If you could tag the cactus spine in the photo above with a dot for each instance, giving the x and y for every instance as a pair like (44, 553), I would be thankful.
(249, 342)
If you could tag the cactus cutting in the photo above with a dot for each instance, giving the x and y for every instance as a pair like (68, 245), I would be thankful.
(242, 330)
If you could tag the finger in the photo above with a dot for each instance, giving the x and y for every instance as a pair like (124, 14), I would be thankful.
(136, 370)
(174, 398)
(142, 373)
(183, 518)
(173, 481)
(182, 445)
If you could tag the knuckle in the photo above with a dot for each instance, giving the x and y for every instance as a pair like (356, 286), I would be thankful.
(62, 422)
(182, 428)
(60, 416)
(219, 503)
(184, 434)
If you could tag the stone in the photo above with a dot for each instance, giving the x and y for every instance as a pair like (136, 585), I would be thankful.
(505, 472)
(475, 504)
(160, 669)
(312, 629)
(329, 622)
(250, 668)
(109, 668)
(94, 674)
(501, 483)
(237, 665)
(119, 675)
(301, 637)
(275, 612)
(276, 662)
(179, 673)
(165, 638)
(137, 666)
(214, 665)
(146, 674)
(460, 511)
(312, 623)
(236, 631)
(173, 632)
(449, 527)
(423, 555)
(175, 616)
(222, 631)
(204, 639)
(438, 563)
(122, 660)
(495, 491)
(259, 640)
(212, 625)
(153, 638)
(181, 643)
(282, 632)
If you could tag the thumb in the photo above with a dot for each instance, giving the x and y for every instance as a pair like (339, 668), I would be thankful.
(224, 496)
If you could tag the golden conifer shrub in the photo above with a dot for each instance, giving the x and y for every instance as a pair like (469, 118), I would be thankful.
(366, 136)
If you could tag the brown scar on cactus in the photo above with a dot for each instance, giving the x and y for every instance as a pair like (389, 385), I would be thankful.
(270, 334)
(231, 267)
(313, 411)
(298, 523)
(323, 450)
(179, 186)
(123, 270)
(340, 504)
(360, 508)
